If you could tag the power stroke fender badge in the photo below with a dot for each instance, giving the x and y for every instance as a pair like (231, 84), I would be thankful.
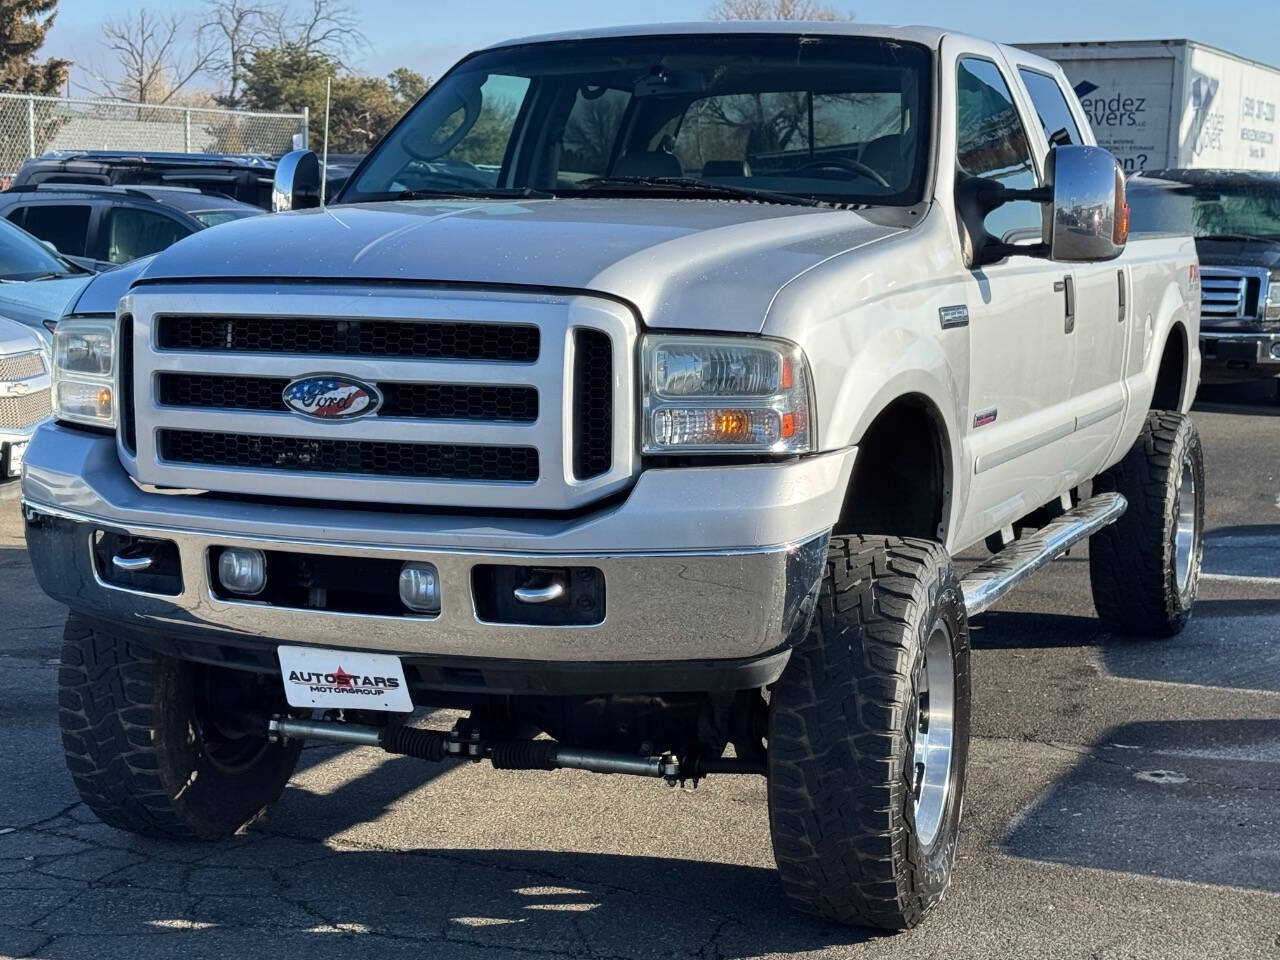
(331, 397)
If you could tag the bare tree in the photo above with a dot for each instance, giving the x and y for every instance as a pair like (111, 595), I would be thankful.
(234, 29)
(327, 27)
(774, 10)
(154, 58)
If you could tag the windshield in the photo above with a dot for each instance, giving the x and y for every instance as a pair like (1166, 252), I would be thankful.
(23, 257)
(1232, 211)
(842, 119)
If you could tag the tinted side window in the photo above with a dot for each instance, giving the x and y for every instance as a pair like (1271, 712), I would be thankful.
(991, 142)
(1051, 107)
(63, 225)
(133, 233)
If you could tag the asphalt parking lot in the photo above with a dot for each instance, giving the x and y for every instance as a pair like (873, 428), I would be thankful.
(1124, 801)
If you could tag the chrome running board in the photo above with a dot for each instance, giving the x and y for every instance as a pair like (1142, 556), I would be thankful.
(989, 582)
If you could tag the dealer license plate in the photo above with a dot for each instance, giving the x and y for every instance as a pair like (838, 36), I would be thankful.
(341, 679)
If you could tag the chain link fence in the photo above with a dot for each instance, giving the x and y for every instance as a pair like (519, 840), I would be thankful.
(32, 125)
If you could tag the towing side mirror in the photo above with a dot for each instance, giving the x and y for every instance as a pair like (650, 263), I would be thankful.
(1085, 217)
(1088, 219)
(297, 182)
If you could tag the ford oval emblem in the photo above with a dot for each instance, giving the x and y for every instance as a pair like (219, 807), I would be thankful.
(330, 397)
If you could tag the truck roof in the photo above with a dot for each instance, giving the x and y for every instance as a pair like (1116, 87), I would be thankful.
(928, 36)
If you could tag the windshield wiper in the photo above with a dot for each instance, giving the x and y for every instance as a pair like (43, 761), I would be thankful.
(708, 188)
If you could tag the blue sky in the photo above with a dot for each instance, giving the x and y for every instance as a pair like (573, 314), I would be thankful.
(429, 35)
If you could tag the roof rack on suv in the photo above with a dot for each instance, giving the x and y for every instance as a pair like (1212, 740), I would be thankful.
(164, 157)
(131, 191)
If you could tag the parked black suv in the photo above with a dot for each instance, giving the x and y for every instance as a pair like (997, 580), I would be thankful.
(113, 225)
(1236, 217)
(243, 177)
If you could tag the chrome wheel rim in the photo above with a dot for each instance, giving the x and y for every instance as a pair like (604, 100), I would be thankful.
(935, 734)
(1184, 535)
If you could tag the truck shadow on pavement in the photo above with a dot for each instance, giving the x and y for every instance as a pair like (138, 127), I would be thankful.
(293, 885)
(1139, 802)
(1013, 630)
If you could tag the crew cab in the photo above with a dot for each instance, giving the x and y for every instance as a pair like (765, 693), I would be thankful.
(633, 397)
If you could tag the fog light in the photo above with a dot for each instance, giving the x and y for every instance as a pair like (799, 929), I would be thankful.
(1275, 350)
(420, 587)
(242, 570)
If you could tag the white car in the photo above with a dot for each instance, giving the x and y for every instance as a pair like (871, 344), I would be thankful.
(24, 392)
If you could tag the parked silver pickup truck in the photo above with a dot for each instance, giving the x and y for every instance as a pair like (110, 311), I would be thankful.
(633, 396)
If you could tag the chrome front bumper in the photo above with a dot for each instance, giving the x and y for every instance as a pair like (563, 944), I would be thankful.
(1243, 353)
(699, 563)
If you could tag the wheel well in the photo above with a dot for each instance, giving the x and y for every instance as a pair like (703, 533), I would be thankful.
(1172, 372)
(901, 478)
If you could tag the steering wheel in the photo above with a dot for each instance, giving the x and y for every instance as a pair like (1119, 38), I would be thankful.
(845, 165)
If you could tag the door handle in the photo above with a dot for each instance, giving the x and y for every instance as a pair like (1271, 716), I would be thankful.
(1067, 285)
(1124, 307)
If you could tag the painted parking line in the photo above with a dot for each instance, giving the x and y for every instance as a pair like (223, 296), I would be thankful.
(1240, 578)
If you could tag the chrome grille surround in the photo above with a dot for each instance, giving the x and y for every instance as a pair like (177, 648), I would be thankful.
(551, 434)
(1226, 293)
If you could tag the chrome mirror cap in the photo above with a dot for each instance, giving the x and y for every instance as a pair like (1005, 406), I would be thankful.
(1089, 218)
(297, 182)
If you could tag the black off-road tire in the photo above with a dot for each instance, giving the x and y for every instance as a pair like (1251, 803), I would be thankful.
(141, 749)
(1133, 563)
(842, 728)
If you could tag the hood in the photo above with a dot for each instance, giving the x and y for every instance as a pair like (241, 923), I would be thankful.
(17, 338)
(35, 301)
(1233, 253)
(700, 264)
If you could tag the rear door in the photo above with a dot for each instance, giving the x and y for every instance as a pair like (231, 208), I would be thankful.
(1100, 308)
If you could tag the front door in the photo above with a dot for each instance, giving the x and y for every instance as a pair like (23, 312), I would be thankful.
(1021, 349)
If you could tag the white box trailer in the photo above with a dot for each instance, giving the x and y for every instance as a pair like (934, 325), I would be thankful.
(1175, 103)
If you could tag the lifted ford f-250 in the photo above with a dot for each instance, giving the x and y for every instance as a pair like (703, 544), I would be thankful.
(636, 392)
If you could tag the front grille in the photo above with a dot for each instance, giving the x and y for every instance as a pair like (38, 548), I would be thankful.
(503, 343)
(592, 404)
(21, 366)
(413, 401)
(19, 413)
(437, 461)
(495, 401)
(1227, 294)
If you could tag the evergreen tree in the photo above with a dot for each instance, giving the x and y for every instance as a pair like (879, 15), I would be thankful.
(23, 25)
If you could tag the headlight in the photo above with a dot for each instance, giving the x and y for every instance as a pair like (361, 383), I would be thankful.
(1271, 309)
(725, 395)
(84, 372)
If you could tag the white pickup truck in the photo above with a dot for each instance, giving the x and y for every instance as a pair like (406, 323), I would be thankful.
(634, 395)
